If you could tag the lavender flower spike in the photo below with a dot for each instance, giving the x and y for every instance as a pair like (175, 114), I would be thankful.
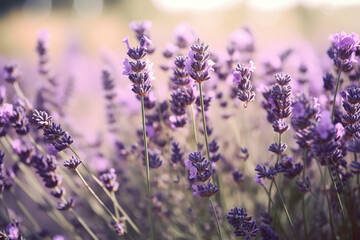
(139, 72)
(242, 75)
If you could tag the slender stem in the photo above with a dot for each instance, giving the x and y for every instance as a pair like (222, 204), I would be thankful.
(334, 100)
(82, 222)
(147, 168)
(267, 192)
(204, 123)
(303, 196)
(5, 207)
(272, 181)
(132, 224)
(328, 203)
(115, 205)
(358, 175)
(27, 213)
(207, 148)
(285, 208)
(217, 220)
(194, 127)
(337, 193)
(94, 194)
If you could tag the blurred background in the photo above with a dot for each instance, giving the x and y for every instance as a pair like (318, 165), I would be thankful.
(86, 34)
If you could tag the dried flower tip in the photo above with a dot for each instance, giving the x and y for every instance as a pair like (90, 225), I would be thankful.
(73, 163)
(63, 206)
(42, 119)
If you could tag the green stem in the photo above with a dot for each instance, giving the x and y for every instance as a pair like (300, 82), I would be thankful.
(147, 169)
(204, 123)
(83, 223)
(27, 213)
(217, 220)
(334, 100)
(132, 224)
(328, 203)
(194, 127)
(207, 149)
(95, 195)
(272, 181)
(337, 193)
(285, 208)
(115, 205)
(5, 207)
(303, 196)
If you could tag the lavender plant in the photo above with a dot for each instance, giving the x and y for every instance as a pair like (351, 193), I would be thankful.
(57, 182)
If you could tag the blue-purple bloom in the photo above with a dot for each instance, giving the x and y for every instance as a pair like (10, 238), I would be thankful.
(199, 63)
(108, 179)
(238, 218)
(206, 190)
(266, 173)
(140, 72)
(343, 49)
(242, 76)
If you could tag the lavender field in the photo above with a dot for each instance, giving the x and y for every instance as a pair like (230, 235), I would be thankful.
(149, 120)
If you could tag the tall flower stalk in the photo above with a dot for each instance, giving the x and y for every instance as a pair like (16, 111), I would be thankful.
(198, 66)
(140, 74)
(343, 53)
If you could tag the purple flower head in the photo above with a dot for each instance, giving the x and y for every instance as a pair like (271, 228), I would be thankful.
(142, 31)
(184, 35)
(264, 173)
(63, 206)
(176, 154)
(242, 40)
(2, 94)
(242, 75)
(238, 218)
(258, 180)
(11, 73)
(275, 148)
(238, 177)
(268, 233)
(329, 82)
(199, 63)
(43, 42)
(118, 226)
(73, 163)
(108, 179)
(280, 126)
(13, 230)
(289, 169)
(325, 125)
(280, 95)
(304, 186)
(343, 49)
(139, 72)
(206, 190)
(355, 167)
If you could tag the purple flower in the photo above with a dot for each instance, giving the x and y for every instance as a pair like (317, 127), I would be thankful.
(343, 49)
(73, 163)
(184, 35)
(199, 63)
(242, 75)
(108, 179)
(238, 218)
(304, 186)
(13, 230)
(11, 73)
(206, 190)
(140, 72)
(264, 173)
(63, 206)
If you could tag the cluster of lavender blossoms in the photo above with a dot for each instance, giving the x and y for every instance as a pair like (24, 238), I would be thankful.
(139, 72)
(137, 182)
